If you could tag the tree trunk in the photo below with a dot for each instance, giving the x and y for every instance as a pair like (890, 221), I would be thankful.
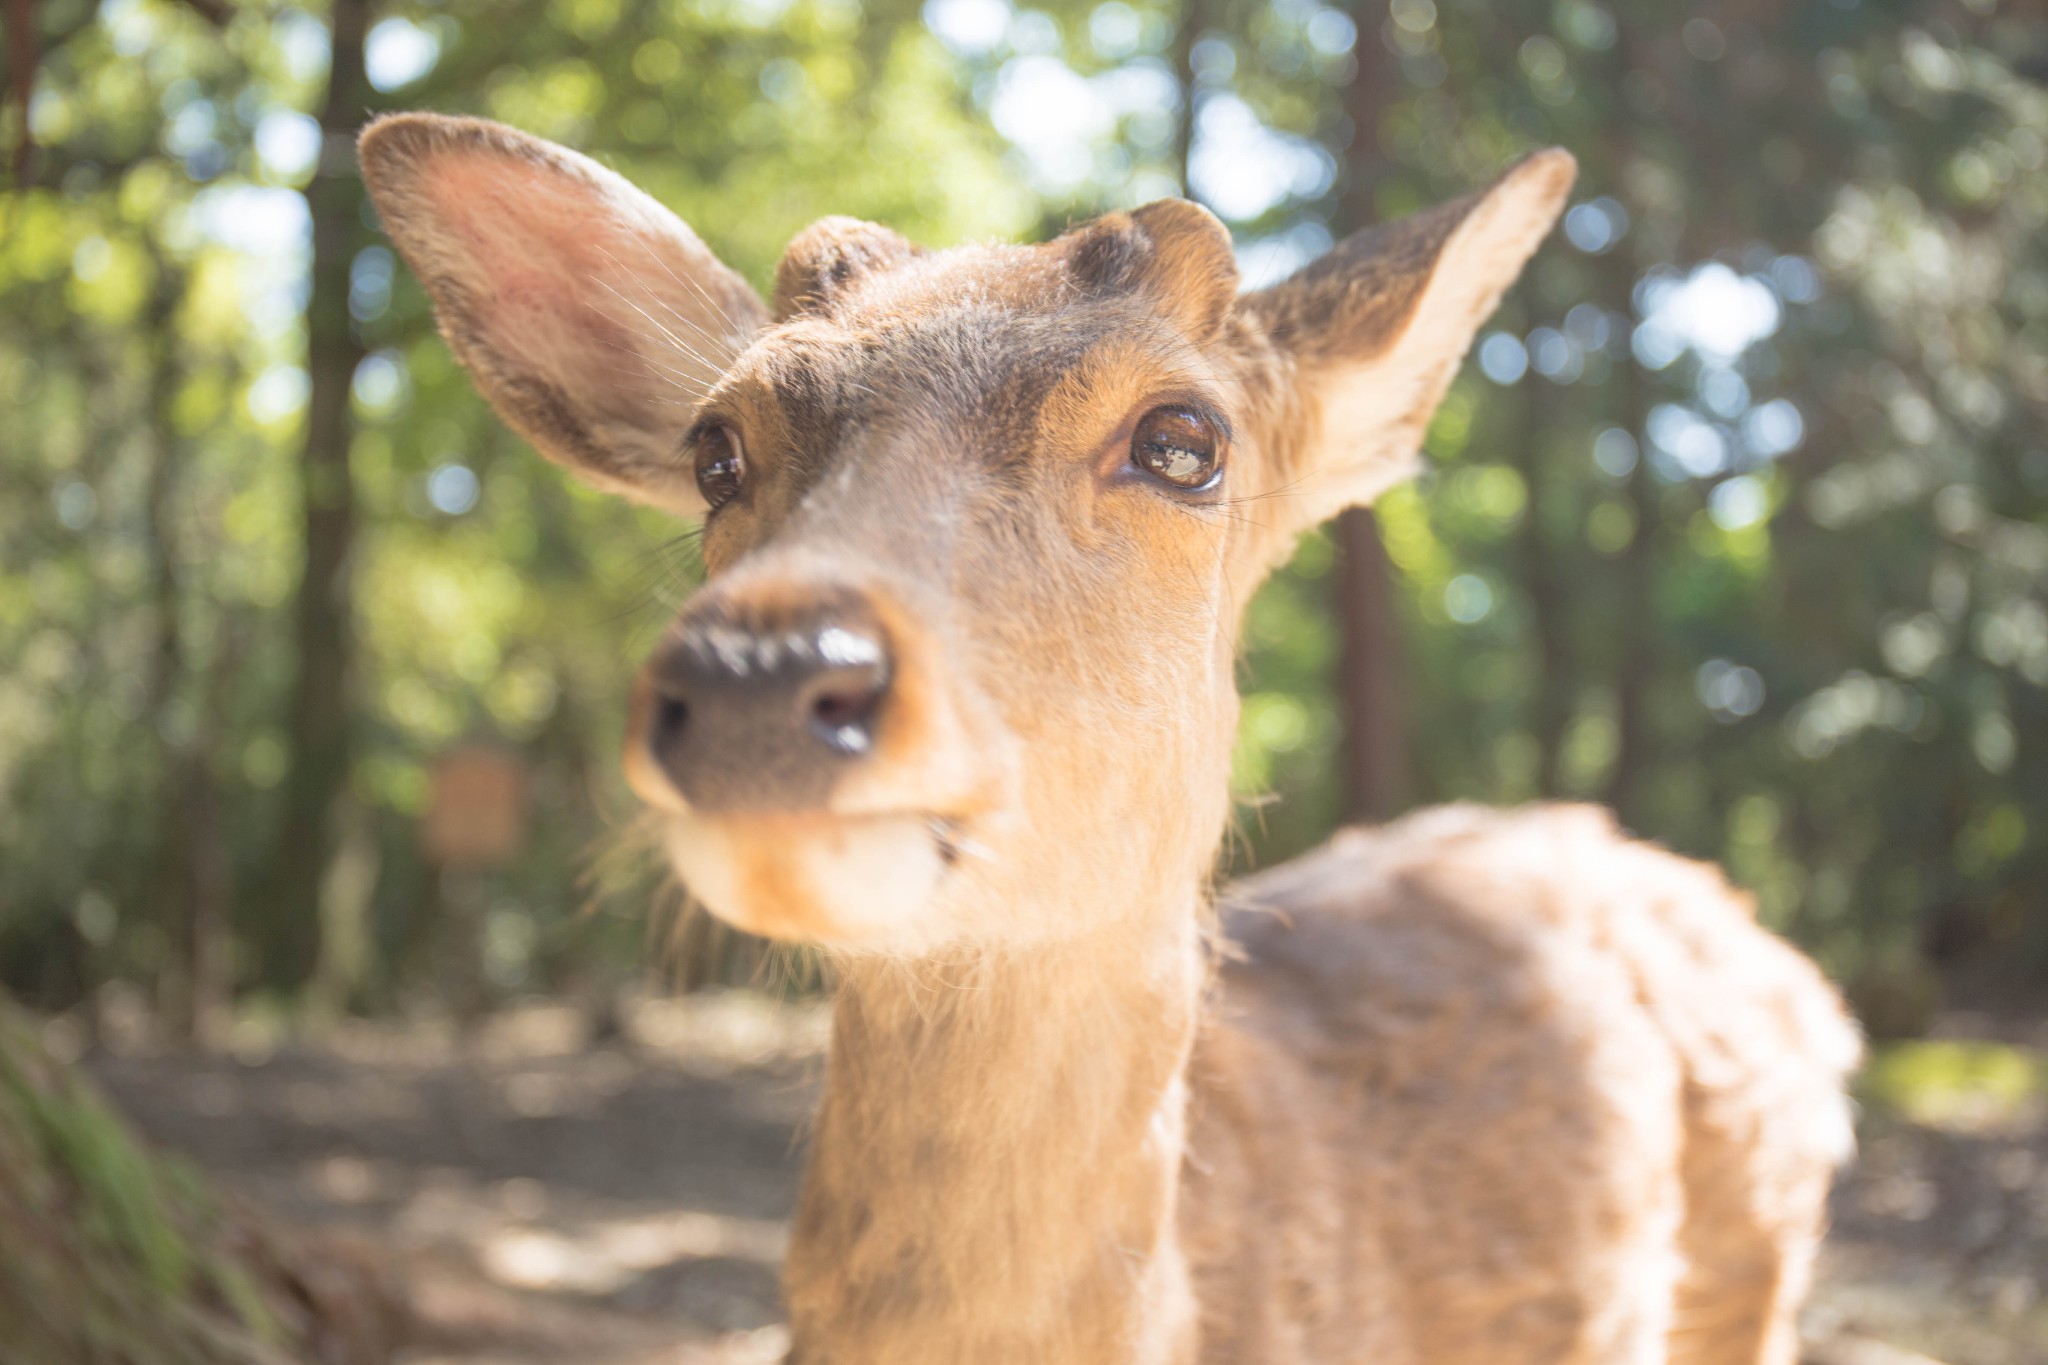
(207, 947)
(319, 720)
(1638, 625)
(169, 883)
(1551, 699)
(1373, 752)
(1374, 747)
(1637, 566)
(189, 875)
(1185, 35)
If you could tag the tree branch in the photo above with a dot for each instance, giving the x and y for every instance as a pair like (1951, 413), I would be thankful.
(215, 12)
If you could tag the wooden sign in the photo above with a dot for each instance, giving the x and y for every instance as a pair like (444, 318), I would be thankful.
(477, 815)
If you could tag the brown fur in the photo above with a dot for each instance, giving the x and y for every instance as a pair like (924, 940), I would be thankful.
(1591, 1109)
(1474, 1089)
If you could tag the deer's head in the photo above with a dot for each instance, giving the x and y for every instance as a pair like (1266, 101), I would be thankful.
(979, 524)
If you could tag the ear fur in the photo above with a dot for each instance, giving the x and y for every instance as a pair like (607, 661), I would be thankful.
(823, 262)
(1376, 329)
(1174, 249)
(590, 316)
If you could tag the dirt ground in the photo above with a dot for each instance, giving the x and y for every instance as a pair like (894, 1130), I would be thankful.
(543, 1198)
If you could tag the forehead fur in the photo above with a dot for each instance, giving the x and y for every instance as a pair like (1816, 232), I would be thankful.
(887, 291)
(1123, 370)
(1173, 255)
(953, 331)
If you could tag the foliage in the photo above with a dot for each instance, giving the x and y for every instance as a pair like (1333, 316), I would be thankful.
(151, 355)
(1739, 522)
(118, 1256)
(1954, 1084)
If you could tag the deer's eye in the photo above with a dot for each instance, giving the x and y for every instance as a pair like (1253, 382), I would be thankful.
(719, 468)
(1178, 445)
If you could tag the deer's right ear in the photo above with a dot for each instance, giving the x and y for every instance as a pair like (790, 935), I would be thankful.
(1373, 332)
(591, 317)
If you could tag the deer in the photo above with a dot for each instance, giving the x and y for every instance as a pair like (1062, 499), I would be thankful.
(954, 703)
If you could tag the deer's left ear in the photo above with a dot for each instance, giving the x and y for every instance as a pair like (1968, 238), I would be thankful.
(1374, 331)
(590, 316)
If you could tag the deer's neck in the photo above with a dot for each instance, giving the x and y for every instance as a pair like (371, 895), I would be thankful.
(996, 1159)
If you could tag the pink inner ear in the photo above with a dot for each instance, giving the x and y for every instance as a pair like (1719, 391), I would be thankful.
(540, 255)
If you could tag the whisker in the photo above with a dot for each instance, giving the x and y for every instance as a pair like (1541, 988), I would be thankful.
(668, 334)
(733, 328)
(734, 338)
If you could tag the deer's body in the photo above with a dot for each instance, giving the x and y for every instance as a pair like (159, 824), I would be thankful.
(1480, 1088)
(956, 702)
(1508, 1088)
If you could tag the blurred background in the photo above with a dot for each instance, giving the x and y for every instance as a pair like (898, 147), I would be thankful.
(312, 676)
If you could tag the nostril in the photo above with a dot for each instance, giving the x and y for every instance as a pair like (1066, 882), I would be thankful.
(762, 705)
(666, 738)
(836, 709)
(842, 712)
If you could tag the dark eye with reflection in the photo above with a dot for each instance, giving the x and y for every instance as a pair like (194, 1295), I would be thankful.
(1179, 445)
(719, 469)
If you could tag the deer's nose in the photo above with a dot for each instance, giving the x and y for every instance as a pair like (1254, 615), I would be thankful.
(761, 706)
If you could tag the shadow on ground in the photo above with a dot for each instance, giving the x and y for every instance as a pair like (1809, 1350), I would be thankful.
(547, 1198)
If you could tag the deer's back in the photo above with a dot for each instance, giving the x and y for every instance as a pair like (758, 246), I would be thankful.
(1500, 1087)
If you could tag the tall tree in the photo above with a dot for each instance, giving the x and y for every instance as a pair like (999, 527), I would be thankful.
(1541, 576)
(1186, 33)
(1373, 749)
(321, 724)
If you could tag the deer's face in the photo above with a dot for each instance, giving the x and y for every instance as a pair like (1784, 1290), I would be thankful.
(969, 551)
(978, 525)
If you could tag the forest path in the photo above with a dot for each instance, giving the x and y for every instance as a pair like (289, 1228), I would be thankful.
(544, 1199)
(538, 1198)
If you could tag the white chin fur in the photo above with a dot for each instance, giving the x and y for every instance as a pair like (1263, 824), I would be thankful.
(854, 882)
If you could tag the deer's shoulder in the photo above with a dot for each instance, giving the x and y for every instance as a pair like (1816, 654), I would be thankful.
(1480, 950)
(1456, 929)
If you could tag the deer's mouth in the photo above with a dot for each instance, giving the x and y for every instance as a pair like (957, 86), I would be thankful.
(798, 820)
(846, 881)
